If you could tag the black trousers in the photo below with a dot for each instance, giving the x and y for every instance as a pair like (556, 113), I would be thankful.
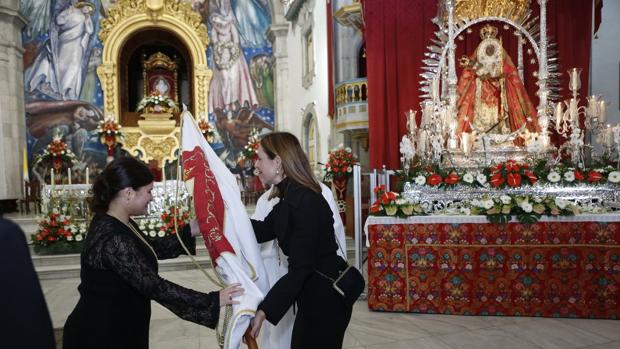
(322, 317)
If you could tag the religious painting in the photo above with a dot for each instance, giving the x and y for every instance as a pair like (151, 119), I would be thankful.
(63, 92)
(61, 88)
(241, 93)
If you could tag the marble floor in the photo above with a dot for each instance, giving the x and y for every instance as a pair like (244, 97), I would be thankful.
(373, 330)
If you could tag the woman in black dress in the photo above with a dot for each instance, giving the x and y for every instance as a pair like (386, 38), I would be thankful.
(119, 269)
(302, 223)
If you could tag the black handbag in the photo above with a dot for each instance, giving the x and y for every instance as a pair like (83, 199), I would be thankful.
(349, 284)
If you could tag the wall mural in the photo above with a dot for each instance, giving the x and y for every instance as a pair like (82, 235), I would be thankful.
(63, 93)
(241, 92)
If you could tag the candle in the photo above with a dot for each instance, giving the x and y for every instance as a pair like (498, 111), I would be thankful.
(411, 123)
(602, 107)
(575, 80)
(558, 116)
(163, 180)
(69, 176)
(466, 142)
(609, 137)
(52, 178)
(573, 107)
(87, 176)
(422, 142)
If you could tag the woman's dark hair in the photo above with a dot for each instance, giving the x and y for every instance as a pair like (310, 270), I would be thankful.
(121, 173)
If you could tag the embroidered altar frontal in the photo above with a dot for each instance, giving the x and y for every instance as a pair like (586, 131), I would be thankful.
(564, 267)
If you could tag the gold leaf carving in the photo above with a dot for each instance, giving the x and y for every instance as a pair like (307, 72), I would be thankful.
(515, 10)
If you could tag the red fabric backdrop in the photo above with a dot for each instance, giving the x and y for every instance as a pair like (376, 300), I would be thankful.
(397, 33)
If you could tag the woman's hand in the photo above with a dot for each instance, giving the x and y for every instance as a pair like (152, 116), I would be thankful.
(194, 227)
(257, 322)
(228, 294)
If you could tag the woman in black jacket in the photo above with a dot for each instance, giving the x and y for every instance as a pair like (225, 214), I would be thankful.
(119, 269)
(302, 223)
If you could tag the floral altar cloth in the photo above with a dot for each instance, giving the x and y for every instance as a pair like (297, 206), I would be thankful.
(557, 267)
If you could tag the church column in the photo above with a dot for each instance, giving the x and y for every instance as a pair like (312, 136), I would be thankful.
(277, 35)
(12, 117)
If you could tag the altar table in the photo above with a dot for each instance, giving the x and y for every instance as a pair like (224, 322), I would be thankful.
(557, 267)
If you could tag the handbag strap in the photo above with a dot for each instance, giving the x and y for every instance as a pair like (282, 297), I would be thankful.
(340, 247)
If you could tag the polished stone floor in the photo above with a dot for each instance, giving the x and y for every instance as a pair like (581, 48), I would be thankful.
(373, 330)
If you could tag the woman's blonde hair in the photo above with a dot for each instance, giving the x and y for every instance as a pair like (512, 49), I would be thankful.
(295, 163)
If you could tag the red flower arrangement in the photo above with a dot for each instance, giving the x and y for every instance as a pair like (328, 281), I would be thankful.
(340, 163)
(386, 201)
(434, 179)
(206, 129)
(594, 176)
(168, 218)
(57, 153)
(250, 149)
(510, 173)
(110, 133)
(58, 234)
(452, 178)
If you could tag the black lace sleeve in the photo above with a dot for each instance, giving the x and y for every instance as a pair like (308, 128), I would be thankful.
(170, 247)
(121, 255)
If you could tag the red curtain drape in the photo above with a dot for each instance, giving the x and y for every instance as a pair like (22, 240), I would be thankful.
(397, 33)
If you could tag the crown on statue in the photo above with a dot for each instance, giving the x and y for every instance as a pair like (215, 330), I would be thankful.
(488, 32)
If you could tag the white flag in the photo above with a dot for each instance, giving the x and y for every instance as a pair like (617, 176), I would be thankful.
(225, 226)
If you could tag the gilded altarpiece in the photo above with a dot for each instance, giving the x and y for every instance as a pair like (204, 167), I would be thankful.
(126, 19)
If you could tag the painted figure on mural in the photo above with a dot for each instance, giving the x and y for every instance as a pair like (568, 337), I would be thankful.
(492, 97)
(261, 69)
(231, 78)
(38, 14)
(76, 120)
(253, 21)
(59, 68)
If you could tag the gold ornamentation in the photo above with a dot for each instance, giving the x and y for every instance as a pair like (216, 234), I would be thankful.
(129, 17)
(153, 147)
(488, 32)
(159, 61)
(131, 139)
(160, 149)
(515, 10)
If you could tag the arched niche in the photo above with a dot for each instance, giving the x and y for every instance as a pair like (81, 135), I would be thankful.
(137, 48)
(310, 136)
(126, 20)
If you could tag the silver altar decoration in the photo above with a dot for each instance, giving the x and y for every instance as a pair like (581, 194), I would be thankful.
(439, 89)
(573, 122)
(434, 199)
(75, 198)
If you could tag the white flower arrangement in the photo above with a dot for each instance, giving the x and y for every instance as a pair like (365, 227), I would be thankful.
(569, 176)
(554, 177)
(420, 180)
(156, 100)
(505, 199)
(614, 177)
(468, 178)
